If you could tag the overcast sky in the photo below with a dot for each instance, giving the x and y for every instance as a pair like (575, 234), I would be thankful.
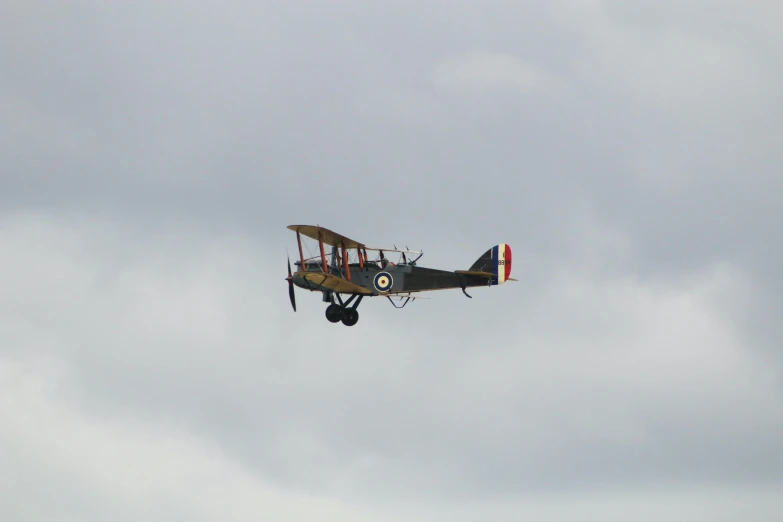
(152, 154)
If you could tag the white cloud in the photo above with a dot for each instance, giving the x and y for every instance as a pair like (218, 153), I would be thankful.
(62, 463)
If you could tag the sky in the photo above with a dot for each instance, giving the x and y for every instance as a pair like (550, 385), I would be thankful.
(152, 155)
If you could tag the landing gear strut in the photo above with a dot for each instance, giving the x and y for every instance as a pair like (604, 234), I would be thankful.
(342, 312)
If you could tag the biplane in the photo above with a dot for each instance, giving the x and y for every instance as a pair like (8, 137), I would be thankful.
(349, 271)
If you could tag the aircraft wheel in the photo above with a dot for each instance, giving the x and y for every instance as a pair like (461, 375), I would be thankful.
(350, 316)
(334, 313)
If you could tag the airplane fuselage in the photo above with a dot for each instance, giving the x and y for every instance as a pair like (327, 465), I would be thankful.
(394, 278)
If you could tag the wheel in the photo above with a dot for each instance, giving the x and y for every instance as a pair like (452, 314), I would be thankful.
(350, 316)
(334, 313)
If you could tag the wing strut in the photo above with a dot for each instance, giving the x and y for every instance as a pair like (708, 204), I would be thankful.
(301, 255)
(323, 254)
(345, 262)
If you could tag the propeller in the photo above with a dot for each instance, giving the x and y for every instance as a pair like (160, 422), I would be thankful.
(290, 280)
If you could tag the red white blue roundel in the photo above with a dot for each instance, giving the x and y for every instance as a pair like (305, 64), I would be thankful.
(383, 281)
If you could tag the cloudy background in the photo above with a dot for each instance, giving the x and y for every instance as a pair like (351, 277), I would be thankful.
(152, 154)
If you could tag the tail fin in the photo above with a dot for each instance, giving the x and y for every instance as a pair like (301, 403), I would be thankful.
(496, 261)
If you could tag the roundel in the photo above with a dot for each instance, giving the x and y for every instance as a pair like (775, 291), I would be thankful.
(383, 281)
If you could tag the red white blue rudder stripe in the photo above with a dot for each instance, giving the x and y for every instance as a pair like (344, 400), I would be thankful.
(501, 263)
(496, 261)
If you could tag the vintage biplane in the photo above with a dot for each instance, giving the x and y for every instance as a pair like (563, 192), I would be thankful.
(350, 272)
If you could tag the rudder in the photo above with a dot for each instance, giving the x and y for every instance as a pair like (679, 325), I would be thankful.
(497, 261)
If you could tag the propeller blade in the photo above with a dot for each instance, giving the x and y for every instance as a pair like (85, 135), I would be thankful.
(290, 280)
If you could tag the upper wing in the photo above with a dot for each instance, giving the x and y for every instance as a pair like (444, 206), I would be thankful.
(334, 283)
(393, 249)
(330, 238)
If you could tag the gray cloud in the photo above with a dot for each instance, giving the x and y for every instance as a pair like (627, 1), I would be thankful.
(151, 158)
(652, 387)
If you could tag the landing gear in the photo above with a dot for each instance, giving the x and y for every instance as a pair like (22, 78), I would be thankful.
(334, 313)
(350, 316)
(342, 312)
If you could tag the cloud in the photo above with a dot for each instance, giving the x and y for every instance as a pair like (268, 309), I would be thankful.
(93, 467)
(175, 355)
(486, 72)
(665, 55)
(63, 463)
(628, 151)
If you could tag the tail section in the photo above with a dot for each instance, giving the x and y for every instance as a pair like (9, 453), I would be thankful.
(496, 261)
